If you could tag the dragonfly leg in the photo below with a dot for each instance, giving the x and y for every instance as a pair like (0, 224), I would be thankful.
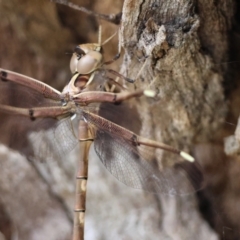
(113, 84)
(120, 75)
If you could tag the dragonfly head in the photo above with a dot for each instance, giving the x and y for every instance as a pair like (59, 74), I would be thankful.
(86, 58)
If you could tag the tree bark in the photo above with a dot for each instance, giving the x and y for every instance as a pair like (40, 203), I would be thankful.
(175, 48)
(176, 42)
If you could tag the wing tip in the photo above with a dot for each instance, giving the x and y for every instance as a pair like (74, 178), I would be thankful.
(187, 156)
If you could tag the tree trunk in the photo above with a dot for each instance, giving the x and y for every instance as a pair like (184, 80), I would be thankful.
(176, 48)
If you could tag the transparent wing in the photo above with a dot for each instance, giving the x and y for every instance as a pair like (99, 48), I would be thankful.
(41, 139)
(54, 142)
(127, 164)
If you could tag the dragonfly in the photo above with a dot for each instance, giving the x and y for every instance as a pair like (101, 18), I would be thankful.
(86, 98)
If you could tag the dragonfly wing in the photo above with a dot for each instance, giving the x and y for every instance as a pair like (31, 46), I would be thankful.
(42, 139)
(55, 142)
(127, 164)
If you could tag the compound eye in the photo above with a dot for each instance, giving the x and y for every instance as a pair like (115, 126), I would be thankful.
(73, 63)
(79, 51)
(77, 55)
(89, 62)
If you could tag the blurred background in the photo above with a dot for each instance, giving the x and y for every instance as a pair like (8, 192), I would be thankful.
(37, 39)
(36, 199)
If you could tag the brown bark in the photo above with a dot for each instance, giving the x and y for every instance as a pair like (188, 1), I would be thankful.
(172, 35)
(182, 45)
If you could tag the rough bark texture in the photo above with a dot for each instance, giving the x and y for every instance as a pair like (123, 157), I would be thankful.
(172, 35)
(181, 46)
